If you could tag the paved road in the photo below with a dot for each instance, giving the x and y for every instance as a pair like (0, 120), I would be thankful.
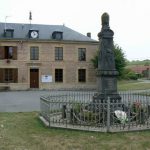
(23, 101)
(26, 101)
(144, 80)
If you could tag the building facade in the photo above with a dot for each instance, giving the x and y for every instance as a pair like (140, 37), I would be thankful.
(45, 57)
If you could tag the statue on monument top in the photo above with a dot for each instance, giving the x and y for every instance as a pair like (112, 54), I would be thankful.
(105, 19)
(106, 55)
(106, 32)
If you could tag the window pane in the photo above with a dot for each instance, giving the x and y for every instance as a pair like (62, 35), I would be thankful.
(82, 75)
(58, 53)
(8, 75)
(58, 75)
(10, 52)
(82, 54)
(9, 33)
(34, 53)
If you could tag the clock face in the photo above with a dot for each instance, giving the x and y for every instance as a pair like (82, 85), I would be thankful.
(34, 34)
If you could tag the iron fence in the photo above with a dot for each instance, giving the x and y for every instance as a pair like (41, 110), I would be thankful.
(76, 110)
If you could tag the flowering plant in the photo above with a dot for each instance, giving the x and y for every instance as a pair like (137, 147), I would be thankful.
(136, 107)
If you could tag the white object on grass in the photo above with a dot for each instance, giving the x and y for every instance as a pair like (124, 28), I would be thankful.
(121, 116)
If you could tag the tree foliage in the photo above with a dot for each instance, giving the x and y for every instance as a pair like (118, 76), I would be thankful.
(128, 74)
(120, 60)
(95, 60)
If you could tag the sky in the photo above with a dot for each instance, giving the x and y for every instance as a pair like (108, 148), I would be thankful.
(129, 19)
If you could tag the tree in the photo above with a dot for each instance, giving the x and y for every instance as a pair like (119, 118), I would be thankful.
(95, 60)
(120, 60)
(128, 74)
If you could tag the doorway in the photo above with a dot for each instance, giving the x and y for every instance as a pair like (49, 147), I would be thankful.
(34, 78)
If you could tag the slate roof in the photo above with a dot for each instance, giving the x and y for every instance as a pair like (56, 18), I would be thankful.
(45, 32)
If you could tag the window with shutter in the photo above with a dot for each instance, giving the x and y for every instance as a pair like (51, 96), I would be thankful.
(10, 75)
(2, 52)
(8, 52)
(1, 75)
(15, 75)
(14, 53)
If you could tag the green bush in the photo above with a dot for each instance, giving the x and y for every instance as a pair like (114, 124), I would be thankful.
(129, 75)
(132, 75)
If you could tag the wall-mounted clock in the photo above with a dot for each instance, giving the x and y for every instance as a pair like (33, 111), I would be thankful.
(34, 34)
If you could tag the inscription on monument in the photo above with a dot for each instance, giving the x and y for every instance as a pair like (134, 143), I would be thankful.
(110, 84)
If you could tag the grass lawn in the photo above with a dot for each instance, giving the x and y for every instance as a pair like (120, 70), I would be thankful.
(24, 131)
(132, 85)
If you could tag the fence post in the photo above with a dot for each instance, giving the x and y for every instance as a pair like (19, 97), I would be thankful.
(49, 109)
(108, 114)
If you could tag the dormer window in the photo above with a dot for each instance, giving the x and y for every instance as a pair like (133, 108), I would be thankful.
(33, 34)
(9, 33)
(57, 35)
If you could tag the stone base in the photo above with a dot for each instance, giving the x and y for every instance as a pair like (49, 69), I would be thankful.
(100, 103)
(103, 98)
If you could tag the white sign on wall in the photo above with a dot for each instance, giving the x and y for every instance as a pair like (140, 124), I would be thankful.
(46, 78)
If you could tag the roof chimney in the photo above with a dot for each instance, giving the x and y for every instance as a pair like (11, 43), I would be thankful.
(89, 34)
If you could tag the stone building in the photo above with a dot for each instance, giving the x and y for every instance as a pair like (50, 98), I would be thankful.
(45, 57)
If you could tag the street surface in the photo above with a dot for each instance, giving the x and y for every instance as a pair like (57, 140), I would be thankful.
(27, 101)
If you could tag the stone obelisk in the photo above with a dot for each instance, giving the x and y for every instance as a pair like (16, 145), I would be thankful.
(106, 72)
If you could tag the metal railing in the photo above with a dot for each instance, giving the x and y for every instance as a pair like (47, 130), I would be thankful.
(76, 110)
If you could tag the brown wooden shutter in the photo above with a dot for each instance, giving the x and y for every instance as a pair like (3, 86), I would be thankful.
(2, 52)
(15, 75)
(1, 75)
(15, 52)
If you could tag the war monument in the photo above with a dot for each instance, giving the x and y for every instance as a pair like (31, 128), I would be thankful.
(106, 72)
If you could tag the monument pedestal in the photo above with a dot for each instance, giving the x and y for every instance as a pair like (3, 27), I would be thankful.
(102, 98)
(107, 86)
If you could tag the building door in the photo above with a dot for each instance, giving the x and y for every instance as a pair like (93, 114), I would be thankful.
(34, 78)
